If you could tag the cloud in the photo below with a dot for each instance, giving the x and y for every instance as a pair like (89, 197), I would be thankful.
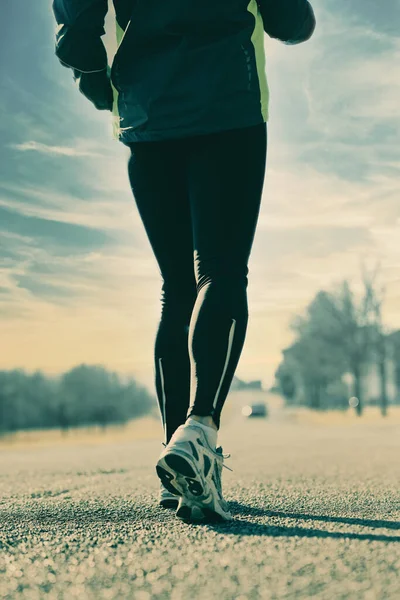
(79, 307)
(334, 100)
(381, 18)
(66, 237)
(103, 201)
(113, 276)
(45, 149)
(364, 91)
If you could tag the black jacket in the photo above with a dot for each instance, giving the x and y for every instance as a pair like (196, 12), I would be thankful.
(182, 67)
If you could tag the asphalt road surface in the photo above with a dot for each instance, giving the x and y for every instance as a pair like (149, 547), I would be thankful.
(316, 514)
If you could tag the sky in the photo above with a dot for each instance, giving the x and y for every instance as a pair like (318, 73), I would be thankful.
(78, 280)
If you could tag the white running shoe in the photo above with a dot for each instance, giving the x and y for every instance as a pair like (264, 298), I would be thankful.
(191, 468)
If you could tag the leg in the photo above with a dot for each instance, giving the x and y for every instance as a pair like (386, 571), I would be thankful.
(158, 180)
(226, 176)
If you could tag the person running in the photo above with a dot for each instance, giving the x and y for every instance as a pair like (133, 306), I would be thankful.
(189, 96)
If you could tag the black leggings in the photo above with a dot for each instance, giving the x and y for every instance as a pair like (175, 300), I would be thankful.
(199, 200)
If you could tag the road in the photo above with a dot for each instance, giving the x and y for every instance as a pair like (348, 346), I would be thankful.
(316, 514)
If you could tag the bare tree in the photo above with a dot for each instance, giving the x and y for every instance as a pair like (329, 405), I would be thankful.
(352, 329)
(393, 340)
(338, 322)
(341, 334)
(379, 333)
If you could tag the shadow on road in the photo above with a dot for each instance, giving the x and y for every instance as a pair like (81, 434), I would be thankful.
(240, 526)
(243, 509)
(125, 511)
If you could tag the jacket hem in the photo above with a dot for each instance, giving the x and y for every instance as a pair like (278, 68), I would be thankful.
(128, 137)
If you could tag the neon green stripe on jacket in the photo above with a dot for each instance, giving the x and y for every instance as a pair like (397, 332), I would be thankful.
(258, 42)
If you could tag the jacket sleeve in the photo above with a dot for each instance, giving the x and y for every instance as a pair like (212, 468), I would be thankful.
(80, 25)
(290, 21)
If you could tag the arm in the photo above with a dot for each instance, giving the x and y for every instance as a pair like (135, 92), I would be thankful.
(80, 25)
(290, 21)
(78, 35)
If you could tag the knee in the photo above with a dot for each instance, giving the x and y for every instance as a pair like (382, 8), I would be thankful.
(179, 297)
(227, 275)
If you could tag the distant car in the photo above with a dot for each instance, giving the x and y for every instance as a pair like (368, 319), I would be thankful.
(255, 410)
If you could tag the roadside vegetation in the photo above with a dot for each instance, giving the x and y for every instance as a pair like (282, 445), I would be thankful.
(343, 354)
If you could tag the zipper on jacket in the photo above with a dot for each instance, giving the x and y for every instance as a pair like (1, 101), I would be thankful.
(248, 66)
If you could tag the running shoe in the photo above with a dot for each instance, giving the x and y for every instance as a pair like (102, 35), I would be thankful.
(189, 467)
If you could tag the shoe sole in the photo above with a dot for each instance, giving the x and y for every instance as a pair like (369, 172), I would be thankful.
(178, 473)
(170, 503)
(166, 480)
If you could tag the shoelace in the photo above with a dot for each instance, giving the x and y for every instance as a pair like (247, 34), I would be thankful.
(224, 456)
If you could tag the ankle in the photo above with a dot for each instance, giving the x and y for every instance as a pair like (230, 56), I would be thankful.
(208, 421)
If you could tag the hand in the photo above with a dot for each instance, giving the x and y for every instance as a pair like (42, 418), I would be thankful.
(96, 87)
